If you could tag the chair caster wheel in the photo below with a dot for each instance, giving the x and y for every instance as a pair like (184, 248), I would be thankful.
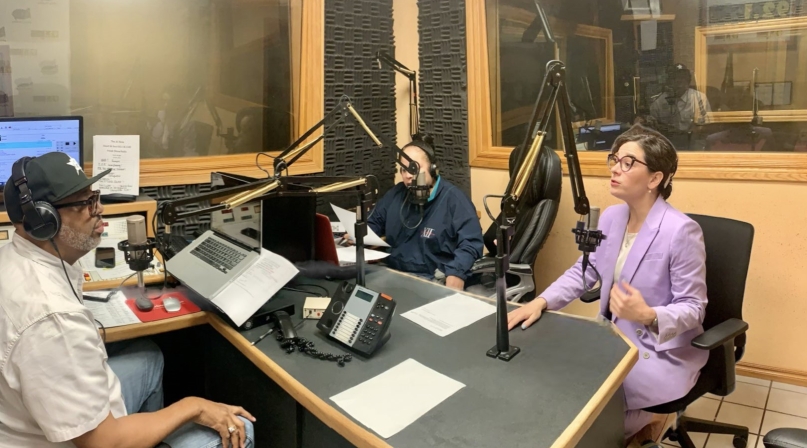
(740, 442)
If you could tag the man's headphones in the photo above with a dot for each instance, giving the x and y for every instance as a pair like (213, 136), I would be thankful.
(429, 150)
(41, 221)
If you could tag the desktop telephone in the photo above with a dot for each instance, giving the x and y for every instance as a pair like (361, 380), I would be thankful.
(359, 318)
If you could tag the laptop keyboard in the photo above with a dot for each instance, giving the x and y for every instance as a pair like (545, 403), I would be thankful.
(218, 255)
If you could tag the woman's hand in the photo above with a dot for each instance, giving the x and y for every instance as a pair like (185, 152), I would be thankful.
(630, 305)
(221, 418)
(528, 313)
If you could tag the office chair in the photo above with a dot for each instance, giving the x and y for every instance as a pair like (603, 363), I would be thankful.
(536, 215)
(786, 438)
(728, 253)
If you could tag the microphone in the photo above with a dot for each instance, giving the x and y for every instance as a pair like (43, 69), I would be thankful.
(588, 238)
(420, 190)
(136, 235)
(138, 252)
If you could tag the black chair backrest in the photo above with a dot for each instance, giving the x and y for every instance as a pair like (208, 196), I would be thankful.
(537, 208)
(728, 252)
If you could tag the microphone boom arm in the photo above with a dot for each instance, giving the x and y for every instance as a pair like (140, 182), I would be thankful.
(553, 95)
(343, 109)
(414, 118)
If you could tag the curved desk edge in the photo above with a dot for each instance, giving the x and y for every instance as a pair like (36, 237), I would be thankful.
(115, 334)
(348, 429)
(578, 427)
(326, 412)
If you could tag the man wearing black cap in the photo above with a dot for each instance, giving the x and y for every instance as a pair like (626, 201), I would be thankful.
(58, 387)
(679, 106)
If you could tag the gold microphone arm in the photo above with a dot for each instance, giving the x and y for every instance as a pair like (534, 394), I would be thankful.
(553, 95)
(242, 198)
(345, 107)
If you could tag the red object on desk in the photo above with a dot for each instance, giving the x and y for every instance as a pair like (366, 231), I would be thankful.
(159, 313)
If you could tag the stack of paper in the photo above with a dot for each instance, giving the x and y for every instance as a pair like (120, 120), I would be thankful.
(347, 255)
(348, 221)
(255, 286)
(114, 313)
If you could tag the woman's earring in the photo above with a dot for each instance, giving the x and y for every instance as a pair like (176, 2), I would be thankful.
(649, 191)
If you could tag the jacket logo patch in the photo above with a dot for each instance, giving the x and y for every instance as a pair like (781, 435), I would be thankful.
(427, 233)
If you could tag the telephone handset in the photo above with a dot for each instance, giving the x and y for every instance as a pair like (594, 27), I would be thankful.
(359, 318)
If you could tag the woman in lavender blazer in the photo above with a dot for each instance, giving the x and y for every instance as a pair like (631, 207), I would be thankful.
(653, 276)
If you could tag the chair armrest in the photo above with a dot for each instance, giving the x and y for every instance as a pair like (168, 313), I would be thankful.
(786, 438)
(488, 264)
(720, 334)
(484, 264)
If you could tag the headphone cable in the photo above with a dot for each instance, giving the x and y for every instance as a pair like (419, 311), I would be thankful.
(72, 289)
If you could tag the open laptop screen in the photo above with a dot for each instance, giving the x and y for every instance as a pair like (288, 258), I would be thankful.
(283, 225)
(242, 224)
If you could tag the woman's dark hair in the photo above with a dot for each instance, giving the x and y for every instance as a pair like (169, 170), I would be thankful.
(425, 142)
(659, 154)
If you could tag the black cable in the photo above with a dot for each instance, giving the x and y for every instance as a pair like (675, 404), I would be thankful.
(487, 209)
(377, 188)
(289, 288)
(127, 278)
(258, 164)
(401, 214)
(161, 246)
(66, 275)
(72, 289)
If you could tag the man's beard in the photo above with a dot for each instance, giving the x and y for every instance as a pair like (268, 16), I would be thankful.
(79, 241)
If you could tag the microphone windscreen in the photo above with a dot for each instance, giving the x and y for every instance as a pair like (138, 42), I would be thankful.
(594, 218)
(136, 229)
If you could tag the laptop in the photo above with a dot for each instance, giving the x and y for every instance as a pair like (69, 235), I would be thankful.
(213, 261)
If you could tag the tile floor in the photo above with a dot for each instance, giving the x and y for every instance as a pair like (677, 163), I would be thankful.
(761, 405)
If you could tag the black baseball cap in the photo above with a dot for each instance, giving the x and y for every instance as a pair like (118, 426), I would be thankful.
(51, 178)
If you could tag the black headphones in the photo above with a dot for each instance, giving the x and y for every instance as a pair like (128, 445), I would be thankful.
(427, 148)
(40, 220)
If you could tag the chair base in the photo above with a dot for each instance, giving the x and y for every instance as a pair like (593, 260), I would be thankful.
(680, 433)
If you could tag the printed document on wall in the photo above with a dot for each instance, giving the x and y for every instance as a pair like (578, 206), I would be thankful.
(121, 153)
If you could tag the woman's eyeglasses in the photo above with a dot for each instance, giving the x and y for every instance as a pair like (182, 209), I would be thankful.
(92, 202)
(625, 163)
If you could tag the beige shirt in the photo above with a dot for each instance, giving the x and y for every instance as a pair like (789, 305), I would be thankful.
(55, 383)
(624, 250)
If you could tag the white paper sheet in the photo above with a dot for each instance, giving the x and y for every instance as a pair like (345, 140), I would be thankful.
(449, 314)
(113, 313)
(348, 221)
(347, 255)
(393, 400)
(250, 290)
(121, 153)
(649, 33)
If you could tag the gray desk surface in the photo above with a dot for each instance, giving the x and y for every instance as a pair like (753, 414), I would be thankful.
(529, 401)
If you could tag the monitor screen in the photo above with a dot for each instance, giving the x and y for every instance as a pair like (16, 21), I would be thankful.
(20, 137)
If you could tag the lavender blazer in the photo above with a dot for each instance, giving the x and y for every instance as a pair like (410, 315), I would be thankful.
(666, 264)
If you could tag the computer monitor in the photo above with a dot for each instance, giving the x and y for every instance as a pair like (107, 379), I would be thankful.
(34, 136)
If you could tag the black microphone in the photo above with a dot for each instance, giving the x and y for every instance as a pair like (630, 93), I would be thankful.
(420, 190)
(588, 238)
(138, 252)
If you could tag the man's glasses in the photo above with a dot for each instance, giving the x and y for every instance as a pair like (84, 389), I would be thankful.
(92, 203)
(625, 163)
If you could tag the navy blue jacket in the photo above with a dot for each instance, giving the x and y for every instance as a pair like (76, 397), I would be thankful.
(449, 238)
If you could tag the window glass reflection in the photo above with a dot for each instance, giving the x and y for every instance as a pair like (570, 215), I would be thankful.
(712, 75)
(190, 77)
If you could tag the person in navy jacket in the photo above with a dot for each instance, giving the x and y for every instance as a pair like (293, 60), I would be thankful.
(446, 241)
